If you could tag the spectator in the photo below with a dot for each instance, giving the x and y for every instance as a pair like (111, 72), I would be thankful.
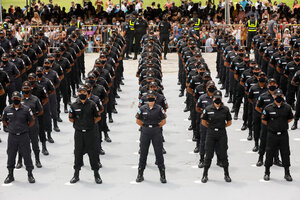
(237, 33)
(210, 42)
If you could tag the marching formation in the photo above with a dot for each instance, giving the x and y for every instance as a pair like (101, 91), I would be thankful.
(151, 116)
(261, 84)
(34, 82)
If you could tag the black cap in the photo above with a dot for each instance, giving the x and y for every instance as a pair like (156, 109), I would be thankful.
(198, 53)
(262, 74)
(210, 83)
(206, 74)
(153, 84)
(47, 61)
(98, 61)
(217, 94)
(278, 92)
(252, 61)
(26, 84)
(5, 55)
(81, 88)
(296, 54)
(39, 69)
(16, 94)
(32, 75)
(151, 92)
(91, 75)
(256, 67)
(247, 55)
(272, 80)
(19, 48)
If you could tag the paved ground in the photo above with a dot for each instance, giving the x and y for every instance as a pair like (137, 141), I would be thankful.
(120, 163)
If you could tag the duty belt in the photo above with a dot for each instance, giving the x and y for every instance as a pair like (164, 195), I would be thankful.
(217, 129)
(18, 134)
(151, 125)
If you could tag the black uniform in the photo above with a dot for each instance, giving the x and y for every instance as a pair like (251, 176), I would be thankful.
(278, 138)
(151, 132)
(140, 27)
(85, 137)
(164, 32)
(18, 138)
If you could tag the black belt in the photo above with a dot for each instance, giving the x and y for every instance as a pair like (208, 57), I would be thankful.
(217, 129)
(18, 134)
(278, 133)
(150, 125)
(84, 131)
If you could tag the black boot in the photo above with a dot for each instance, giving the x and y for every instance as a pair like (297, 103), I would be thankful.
(201, 162)
(196, 150)
(205, 177)
(294, 127)
(277, 162)
(50, 139)
(140, 176)
(181, 94)
(30, 177)
(260, 161)
(287, 175)
(59, 119)
(44, 149)
(98, 179)
(226, 175)
(65, 108)
(267, 174)
(102, 152)
(107, 138)
(56, 129)
(75, 178)
(236, 116)
(10, 177)
(164, 151)
(244, 127)
(230, 99)
(162, 172)
(250, 137)
(19, 163)
(110, 119)
(37, 160)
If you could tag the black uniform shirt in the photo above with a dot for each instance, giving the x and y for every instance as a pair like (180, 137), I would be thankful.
(255, 91)
(277, 117)
(216, 118)
(40, 92)
(52, 76)
(264, 99)
(11, 70)
(204, 101)
(83, 114)
(33, 103)
(17, 119)
(4, 79)
(151, 116)
(291, 69)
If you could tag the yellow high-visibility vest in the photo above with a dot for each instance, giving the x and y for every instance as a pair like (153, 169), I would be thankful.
(197, 25)
(252, 27)
(131, 25)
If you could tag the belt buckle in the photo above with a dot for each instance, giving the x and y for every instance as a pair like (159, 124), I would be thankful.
(150, 126)
(278, 133)
(83, 131)
(18, 134)
(216, 129)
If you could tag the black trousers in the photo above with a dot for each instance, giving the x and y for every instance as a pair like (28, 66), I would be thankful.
(216, 140)
(203, 130)
(19, 143)
(297, 113)
(129, 43)
(85, 142)
(291, 93)
(249, 39)
(256, 124)
(153, 135)
(275, 142)
(250, 116)
(238, 97)
(164, 41)
(53, 106)
(137, 46)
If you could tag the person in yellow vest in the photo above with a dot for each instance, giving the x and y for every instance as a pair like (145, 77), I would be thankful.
(252, 25)
(196, 23)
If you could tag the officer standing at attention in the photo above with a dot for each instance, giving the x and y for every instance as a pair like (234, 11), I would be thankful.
(216, 117)
(18, 118)
(164, 33)
(140, 28)
(84, 115)
(128, 33)
(252, 26)
(276, 117)
(151, 117)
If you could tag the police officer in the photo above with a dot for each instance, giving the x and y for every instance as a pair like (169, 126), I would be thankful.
(128, 33)
(252, 26)
(84, 114)
(216, 117)
(164, 32)
(296, 82)
(18, 118)
(140, 27)
(151, 117)
(276, 117)
(254, 92)
(36, 107)
(4, 43)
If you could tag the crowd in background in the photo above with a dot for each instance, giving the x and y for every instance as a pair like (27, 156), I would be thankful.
(91, 16)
